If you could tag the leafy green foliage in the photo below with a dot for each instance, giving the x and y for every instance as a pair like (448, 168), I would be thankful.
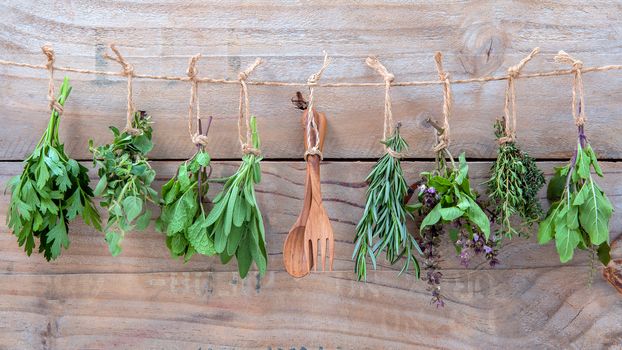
(580, 212)
(456, 199)
(383, 225)
(182, 217)
(125, 180)
(51, 191)
(235, 219)
(513, 187)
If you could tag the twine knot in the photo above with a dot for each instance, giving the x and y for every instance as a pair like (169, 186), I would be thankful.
(247, 149)
(199, 139)
(313, 151)
(578, 103)
(509, 106)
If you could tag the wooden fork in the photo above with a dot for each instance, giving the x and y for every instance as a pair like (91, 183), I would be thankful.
(318, 231)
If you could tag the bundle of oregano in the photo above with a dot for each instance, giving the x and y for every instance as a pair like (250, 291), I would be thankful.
(513, 187)
(125, 180)
(235, 221)
(51, 191)
(182, 216)
(383, 225)
(580, 212)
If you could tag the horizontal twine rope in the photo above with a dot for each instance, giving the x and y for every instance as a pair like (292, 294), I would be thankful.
(344, 84)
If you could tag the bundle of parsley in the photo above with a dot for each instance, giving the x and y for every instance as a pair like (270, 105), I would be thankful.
(580, 212)
(125, 180)
(513, 187)
(383, 225)
(182, 216)
(51, 191)
(235, 221)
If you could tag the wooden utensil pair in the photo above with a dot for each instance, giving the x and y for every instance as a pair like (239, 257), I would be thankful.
(312, 231)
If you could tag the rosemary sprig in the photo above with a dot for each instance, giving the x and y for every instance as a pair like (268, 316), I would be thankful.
(513, 187)
(235, 221)
(383, 225)
(51, 191)
(125, 180)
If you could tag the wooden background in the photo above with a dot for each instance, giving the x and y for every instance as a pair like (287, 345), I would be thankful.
(144, 300)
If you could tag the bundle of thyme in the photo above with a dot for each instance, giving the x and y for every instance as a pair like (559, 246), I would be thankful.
(383, 225)
(513, 187)
(125, 180)
(51, 191)
(235, 221)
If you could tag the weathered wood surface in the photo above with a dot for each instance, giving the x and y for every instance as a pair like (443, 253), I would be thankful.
(158, 37)
(142, 299)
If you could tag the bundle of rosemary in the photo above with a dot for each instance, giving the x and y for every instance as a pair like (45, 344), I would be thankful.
(125, 180)
(383, 225)
(235, 221)
(51, 191)
(513, 187)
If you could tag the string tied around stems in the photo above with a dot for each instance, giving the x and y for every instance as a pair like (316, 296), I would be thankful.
(246, 141)
(128, 71)
(389, 125)
(577, 86)
(49, 53)
(199, 139)
(509, 108)
(443, 136)
(314, 149)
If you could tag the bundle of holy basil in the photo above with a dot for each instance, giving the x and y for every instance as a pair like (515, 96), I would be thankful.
(580, 213)
(125, 180)
(446, 198)
(384, 218)
(51, 191)
(235, 220)
(182, 215)
(513, 187)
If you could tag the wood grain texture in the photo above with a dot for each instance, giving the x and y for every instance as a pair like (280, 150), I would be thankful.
(158, 38)
(144, 300)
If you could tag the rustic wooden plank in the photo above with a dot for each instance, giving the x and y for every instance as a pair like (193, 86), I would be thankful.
(546, 308)
(279, 196)
(476, 41)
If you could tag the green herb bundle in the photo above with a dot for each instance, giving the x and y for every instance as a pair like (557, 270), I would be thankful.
(125, 180)
(235, 219)
(580, 212)
(513, 187)
(446, 200)
(383, 225)
(182, 215)
(51, 191)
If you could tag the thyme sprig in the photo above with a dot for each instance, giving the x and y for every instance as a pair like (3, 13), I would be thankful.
(513, 187)
(383, 225)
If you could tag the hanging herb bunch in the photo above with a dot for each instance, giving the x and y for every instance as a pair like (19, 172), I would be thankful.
(580, 211)
(235, 219)
(447, 201)
(515, 178)
(51, 191)
(183, 217)
(383, 225)
(125, 180)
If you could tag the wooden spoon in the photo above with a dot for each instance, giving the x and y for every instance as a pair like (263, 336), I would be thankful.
(293, 248)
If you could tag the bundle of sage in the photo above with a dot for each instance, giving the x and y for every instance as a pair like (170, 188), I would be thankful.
(235, 221)
(51, 191)
(125, 180)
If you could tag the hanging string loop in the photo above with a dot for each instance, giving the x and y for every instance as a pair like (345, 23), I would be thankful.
(128, 71)
(246, 142)
(577, 87)
(197, 138)
(312, 81)
(443, 136)
(49, 53)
